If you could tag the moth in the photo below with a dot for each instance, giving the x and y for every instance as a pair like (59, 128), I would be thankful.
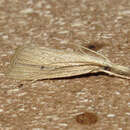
(32, 62)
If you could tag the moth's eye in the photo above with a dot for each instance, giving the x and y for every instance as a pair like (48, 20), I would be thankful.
(107, 68)
(91, 47)
(42, 67)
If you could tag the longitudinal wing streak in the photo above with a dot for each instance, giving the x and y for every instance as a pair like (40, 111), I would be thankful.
(66, 72)
(34, 72)
(31, 72)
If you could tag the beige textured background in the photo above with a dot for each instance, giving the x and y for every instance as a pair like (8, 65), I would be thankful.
(54, 104)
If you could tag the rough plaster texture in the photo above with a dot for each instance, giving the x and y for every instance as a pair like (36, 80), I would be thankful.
(54, 104)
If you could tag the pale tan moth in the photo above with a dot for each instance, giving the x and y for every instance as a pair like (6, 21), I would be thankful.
(32, 62)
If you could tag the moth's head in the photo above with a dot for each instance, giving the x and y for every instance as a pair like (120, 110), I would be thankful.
(117, 70)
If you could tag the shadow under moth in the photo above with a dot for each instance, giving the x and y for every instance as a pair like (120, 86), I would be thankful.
(31, 62)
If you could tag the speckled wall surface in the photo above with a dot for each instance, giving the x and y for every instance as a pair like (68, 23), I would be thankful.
(57, 104)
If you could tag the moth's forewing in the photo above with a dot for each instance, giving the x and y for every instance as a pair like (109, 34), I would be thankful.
(32, 62)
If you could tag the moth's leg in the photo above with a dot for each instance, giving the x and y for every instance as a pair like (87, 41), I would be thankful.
(82, 47)
(34, 80)
(94, 69)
